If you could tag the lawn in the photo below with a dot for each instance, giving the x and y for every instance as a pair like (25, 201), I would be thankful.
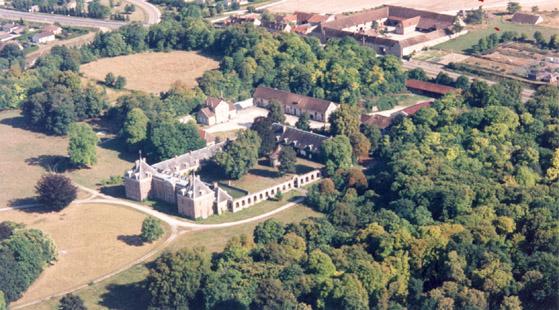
(92, 240)
(465, 42)
(258, 178)
(152, 72)
(124, 291)
(257, 209)
(26, 155)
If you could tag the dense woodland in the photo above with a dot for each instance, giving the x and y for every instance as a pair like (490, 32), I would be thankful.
(24, 253)
(460, 211)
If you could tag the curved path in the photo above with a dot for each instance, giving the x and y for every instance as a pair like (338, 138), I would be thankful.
(176, 224)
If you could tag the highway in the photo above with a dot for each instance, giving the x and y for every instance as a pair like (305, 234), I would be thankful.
(152, 16)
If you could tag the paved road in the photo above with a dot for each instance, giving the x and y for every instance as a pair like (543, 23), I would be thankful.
(61, 19)
(152, 16)
(432, 69)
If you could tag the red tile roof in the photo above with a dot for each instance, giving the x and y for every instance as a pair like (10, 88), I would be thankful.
(287, 98)
(411, 110)
(379, 121)
(523, 18)
(430, 87)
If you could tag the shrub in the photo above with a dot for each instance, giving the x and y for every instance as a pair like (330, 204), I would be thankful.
(55, 191)
(71, 302)
(151, 229)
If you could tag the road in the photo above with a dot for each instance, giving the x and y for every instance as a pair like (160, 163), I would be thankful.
(62, 20)
(152, 16)
(432, 69)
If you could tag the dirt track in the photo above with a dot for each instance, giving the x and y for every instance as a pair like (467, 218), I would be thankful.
(339, 6)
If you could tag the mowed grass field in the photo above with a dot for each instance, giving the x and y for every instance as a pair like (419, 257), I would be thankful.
(124, 291)
(152, 72)
(465, 42)
(92, 240)
(26, 155)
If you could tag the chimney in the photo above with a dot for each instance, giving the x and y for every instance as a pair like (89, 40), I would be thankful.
(183, 191)
(129, 172)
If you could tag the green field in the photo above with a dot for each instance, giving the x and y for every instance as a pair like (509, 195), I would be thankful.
(463, 43)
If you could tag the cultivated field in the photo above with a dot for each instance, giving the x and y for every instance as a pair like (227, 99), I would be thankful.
(339, 6)
(465, 42)
(152, 72)
(92, 240)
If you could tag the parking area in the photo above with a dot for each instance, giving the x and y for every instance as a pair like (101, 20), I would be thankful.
(245, 118)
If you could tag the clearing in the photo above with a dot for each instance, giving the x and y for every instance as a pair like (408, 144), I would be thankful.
(339, 6)
(92, 240)
(152, 72)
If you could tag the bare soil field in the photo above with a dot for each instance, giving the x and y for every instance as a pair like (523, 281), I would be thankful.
(92, 240)
(339, 6)
(152, 72)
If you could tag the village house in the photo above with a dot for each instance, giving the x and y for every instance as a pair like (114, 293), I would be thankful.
(54, 29)
(430, 89)
(382, 122)
(525, 18)
(216, 111)
(251, 18)
(393, 30)
(43, 37)
(13, 28)
(318, 109)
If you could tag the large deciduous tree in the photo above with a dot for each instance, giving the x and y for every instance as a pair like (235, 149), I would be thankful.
(82, 145)
(55, 191)
(135, 128)
(151, 229)
(337, 154)
(288, 160)
(168, 138)
(240, 155)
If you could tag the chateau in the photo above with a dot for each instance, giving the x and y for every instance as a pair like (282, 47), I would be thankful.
(174, 180)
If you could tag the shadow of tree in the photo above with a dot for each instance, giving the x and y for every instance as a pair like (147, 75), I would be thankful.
(132, 296)
(265, 173)
(132, 240)
(54, 163)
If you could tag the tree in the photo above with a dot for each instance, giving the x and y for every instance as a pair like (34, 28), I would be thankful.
(480, 94)
(513, 7)
(288, 160)
(71, 302)
(417, 74)
(151, 229)
(348, 293)
(276, 114)
(240, 155)
(55, 191)
(168, 138)
(321, 264)
(3, 305)
(271, 294)
(82, 145)
(263, 126)
(553, 170)
(174, 279)
(303, 122)
(135, 127)
(120, 82)
(129, 8)
(337, 153)
(345, 120)
(97, 10)
(269, 231)
(110, 79)
(540, 40)
(535, 9)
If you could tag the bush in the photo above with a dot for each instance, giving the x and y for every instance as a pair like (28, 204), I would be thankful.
(71, 302)
(55, 191)
(151, 229)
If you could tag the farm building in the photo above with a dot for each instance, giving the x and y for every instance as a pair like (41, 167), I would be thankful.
(394, 30)
(295, 104)
(43, 37)
(431, 89)
(525, 18)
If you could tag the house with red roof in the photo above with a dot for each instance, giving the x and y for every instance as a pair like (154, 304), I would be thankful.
(216, 111)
